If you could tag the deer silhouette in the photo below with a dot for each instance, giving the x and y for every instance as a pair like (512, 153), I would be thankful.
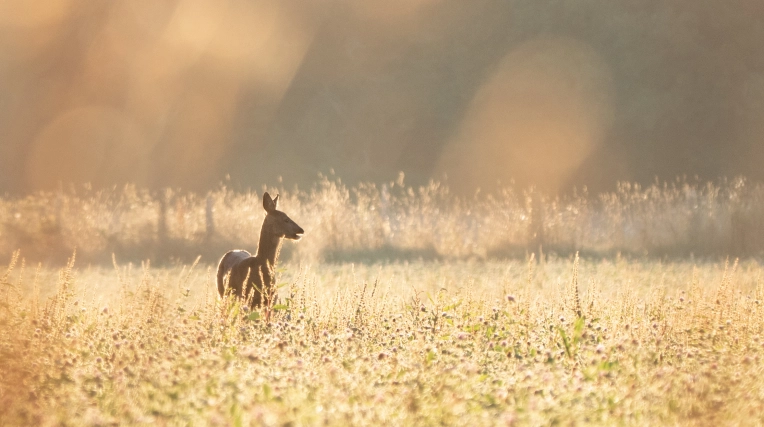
(258, 271)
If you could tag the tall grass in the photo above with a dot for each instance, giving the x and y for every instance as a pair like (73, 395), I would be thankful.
(391, 220)
(553, 341)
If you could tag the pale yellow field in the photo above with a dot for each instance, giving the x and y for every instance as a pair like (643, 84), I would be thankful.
(517, 342)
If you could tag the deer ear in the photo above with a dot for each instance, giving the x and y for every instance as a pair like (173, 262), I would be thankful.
(269, 204)
(276, 202)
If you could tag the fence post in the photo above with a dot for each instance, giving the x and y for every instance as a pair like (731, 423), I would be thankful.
(209, 220)
(162, 220)
(536, 229)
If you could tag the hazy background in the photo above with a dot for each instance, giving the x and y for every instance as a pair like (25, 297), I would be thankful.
(554, 93)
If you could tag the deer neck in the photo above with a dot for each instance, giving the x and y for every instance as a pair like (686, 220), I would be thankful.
(269, 247)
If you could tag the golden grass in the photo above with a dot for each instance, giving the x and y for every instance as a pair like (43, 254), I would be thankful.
(393, 221)
(517, 342)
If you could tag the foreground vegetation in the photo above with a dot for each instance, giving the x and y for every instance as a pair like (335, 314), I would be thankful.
(555, 341)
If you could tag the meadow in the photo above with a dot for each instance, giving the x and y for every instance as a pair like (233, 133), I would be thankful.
(401, 306)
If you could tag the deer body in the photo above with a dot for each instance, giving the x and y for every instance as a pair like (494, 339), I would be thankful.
(258, 271)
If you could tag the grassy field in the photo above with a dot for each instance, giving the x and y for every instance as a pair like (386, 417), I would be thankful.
(550, 341)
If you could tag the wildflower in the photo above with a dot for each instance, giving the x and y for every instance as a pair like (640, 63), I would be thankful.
(511, 298)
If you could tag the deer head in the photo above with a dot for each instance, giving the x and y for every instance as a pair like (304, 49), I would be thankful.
(277, 223)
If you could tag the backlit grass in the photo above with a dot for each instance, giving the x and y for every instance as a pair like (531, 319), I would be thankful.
(555, 341)
(392, 221)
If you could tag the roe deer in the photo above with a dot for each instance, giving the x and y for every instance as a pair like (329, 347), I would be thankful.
(258, 270)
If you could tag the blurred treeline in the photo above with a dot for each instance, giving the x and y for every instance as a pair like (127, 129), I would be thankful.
(368, 222)
(549, 93)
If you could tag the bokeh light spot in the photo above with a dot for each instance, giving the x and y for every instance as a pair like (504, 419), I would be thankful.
(535, 120)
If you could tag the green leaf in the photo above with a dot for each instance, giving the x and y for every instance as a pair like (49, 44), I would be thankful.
(578, 329)
(565, 341)
(236, 414)
(429, 297)
(278, 307)
(452, 306)
(267, 391)
(255, 315)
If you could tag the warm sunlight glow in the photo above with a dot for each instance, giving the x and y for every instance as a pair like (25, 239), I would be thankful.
(535, 120)
(149, 92)
(31, 14)
(88, 144)
(555, 95)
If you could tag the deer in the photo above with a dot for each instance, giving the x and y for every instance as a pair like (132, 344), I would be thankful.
(238, 266)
